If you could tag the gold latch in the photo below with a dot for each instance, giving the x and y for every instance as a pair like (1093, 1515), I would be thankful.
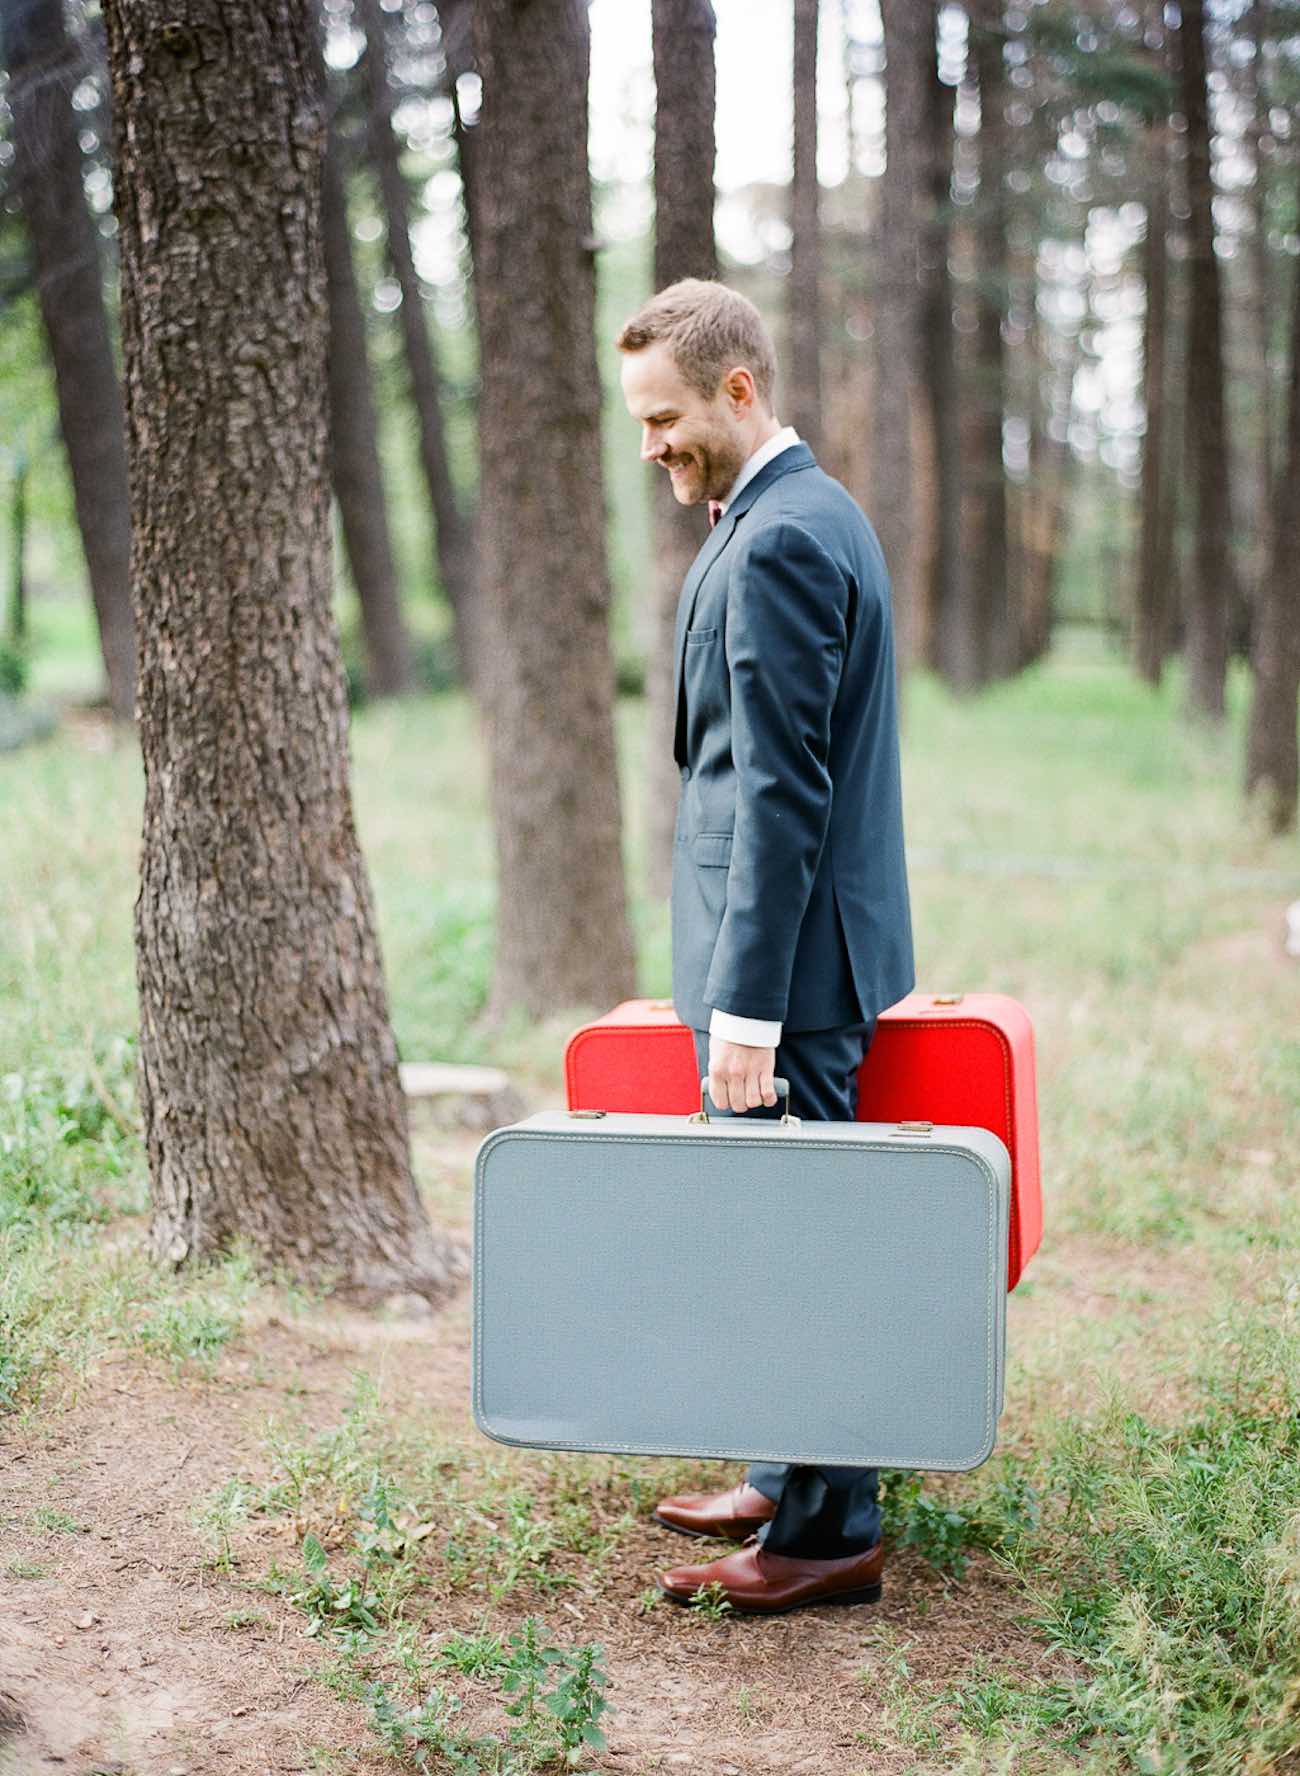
(913, 1128)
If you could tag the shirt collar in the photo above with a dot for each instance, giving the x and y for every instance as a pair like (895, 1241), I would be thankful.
(778, 442)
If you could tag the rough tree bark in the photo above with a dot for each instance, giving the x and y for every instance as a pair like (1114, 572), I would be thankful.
(1209, 592)
(562, 927)
(44, 66)
(684, 246)
(898, 290)
(354, 448)
(1272, 767)
(804, 299)
(268, 1072)
(454, 534)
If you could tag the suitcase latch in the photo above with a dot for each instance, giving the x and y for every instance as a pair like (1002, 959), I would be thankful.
(913, 1128)
(587, 1113)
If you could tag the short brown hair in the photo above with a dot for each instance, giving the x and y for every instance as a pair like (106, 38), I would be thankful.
(710, 330)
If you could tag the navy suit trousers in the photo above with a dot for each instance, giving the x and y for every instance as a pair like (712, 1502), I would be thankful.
(822, 1513)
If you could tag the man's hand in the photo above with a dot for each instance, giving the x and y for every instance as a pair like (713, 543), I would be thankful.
(740, 1077)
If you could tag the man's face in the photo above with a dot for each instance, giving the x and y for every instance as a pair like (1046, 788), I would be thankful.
(700, 443)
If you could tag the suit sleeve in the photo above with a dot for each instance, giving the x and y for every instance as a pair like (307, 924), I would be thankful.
(786, 632)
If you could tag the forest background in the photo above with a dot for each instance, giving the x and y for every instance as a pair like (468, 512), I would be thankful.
(1040, 313)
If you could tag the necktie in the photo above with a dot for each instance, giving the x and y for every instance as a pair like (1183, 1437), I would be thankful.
(715, 512)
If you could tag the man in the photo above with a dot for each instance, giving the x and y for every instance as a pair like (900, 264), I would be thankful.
(790, 921)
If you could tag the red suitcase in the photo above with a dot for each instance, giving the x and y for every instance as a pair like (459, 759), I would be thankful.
(965, 1058)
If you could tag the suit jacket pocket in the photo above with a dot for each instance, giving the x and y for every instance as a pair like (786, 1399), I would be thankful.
(712, 850)
(695, 636)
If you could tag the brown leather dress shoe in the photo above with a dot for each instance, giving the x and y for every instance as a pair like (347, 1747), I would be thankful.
(757, 1583)
(735, 1514)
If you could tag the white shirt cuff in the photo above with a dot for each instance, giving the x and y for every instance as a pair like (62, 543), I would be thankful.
(752, 1032)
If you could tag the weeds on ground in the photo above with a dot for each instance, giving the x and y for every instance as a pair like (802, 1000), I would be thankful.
(711, 1601)
(71, 1164)
(485, 1526)
(552, 1696)
(1163, 1563)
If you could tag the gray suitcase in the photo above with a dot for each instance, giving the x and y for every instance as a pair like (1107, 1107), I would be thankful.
(825, 1292)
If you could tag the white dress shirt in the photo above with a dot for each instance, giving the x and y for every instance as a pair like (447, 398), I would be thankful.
(753, 1032)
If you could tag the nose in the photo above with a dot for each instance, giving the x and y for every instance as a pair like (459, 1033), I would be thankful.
(651, 447)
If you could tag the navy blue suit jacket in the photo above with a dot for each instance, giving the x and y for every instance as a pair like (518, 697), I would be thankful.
(789, 889)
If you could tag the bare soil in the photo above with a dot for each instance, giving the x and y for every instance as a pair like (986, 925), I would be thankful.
(123, 1648)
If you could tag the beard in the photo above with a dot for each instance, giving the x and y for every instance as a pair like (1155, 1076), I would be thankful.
(707, 470)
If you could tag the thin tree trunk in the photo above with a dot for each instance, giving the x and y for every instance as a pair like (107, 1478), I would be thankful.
(454, 537)
(1261, 273)
(354, 449)
(805, 316)
(851, 52)
(16, 618)
(1209, 589)
(940, 371)
(1049, 485)
(683, 34)
(1151, 604)
(44, 66)
(456, 22)
(997, 644)
(1272, 767)
(563, 938)
(960, 640)
(269, 1086)
(898, 287)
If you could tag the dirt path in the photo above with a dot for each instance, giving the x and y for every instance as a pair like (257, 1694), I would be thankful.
(122, 1649)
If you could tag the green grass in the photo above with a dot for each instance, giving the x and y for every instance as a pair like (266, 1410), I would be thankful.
(1072, 842)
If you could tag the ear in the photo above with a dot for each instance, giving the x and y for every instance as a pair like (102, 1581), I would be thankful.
(738, 387)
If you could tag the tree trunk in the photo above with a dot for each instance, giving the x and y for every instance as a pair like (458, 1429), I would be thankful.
(852, 54)
(1045, 508)
(1272, 769)
(1151, 604)
(268, 1072)
(44, 66)
(354, 449)
(683, 32)
(454, 537)
(804, 383)
(939, 364)
(897, 285)
(456, 22)
(1209, 590)
(562, 927)
(16, 617)
(1262, 309)
(996, 639)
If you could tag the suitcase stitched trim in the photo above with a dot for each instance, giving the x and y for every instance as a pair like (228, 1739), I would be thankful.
(836, 1460)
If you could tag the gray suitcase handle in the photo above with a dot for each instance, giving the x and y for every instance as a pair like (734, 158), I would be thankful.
(780, 1086)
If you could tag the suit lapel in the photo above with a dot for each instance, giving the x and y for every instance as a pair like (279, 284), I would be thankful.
(798, 456)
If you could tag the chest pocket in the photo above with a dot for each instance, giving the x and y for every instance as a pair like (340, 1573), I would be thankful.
(704, 673)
